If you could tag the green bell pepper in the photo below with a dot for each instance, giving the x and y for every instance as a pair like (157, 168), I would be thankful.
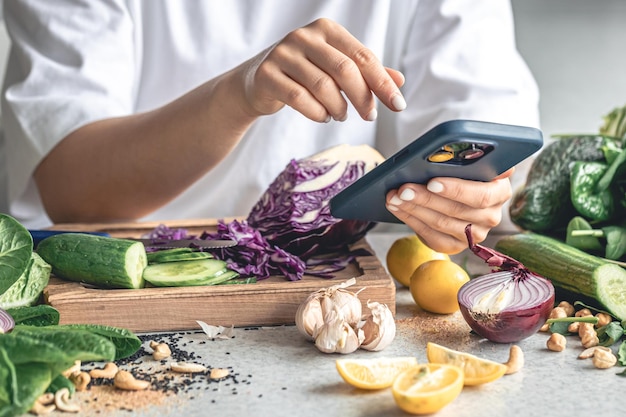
(596, 205)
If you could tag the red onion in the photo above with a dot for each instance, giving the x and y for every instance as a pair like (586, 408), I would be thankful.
(507, 305)
(6, 322)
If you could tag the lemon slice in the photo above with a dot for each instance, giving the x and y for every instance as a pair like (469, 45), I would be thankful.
(477, 370)
(427, 388)
(375, 373)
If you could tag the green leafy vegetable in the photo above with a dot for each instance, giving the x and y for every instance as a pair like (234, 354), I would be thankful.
(29, 286)
(16, 247)
(126, 342)
(579, 235)
(610, 333)
(39, 315)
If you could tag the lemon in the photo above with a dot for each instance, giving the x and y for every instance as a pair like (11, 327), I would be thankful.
(374, 373)
(477, 370)
(427, 388)
(435, 284)
(406, 254)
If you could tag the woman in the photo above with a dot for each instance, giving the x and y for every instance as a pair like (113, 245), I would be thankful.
(120, 110)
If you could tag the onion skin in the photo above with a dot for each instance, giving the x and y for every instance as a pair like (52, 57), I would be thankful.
(6, 322)
(523, 300)
(512, 324)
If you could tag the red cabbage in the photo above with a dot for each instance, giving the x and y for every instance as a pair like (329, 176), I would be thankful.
(294, 212)
(290, 230)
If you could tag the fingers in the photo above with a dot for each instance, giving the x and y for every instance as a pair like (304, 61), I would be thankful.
(440, 211)
(315, 68)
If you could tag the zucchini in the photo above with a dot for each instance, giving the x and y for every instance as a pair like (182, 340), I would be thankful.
(104, 262)
(176, 255)
(570, 269)
(188, 273)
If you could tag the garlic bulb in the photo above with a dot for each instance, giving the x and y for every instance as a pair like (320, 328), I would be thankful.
(309, 315)
(336, 335)
(332, 317)
(379, 327)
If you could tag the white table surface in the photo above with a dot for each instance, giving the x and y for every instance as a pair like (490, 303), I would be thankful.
(279, 373)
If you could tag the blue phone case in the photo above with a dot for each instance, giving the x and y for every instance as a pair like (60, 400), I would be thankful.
(467, 149)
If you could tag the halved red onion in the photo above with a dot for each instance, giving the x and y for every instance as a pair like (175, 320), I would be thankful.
(506, 306)
(6, 322)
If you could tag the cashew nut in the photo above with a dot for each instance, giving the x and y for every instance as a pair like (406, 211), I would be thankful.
(160, 351)
(603, 319)
(75, 368)
(516, 360)
(126, 381)
(569, 309)
(603, 359)
(186, 367)
(588, 335)
(219, 373)
(556, 342)
(109, 371)
(589, 352)
(556, 313)
(81, 380)
(63, 403)
(43, 405)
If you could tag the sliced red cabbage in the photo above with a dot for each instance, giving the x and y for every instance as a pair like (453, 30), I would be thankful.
(290, 230)
(294, 212)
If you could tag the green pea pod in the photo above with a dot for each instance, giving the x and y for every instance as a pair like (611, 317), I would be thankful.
(596, 206)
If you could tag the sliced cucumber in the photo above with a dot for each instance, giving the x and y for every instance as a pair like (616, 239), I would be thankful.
(187, 273)
(101, 261)
(176, 255)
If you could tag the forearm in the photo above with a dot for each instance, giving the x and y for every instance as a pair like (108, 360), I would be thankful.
(125, 168)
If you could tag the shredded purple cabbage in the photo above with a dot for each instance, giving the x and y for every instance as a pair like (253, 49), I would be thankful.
(290, 232)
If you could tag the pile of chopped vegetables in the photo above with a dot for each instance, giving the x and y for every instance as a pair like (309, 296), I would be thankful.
(290, 230)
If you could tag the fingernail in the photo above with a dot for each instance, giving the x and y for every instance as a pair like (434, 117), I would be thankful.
(407, 195)
(434, 187)
(328, 119)
(372, 115)
(342, 118)
(392, 208)
(398, 102)
(395, 201)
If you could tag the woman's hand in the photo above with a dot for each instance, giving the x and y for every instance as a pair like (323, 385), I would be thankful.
(439, 211)
(311, 67)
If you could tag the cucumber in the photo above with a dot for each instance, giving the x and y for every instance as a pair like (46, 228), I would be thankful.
(104, 262)
(176, 255)
(188, 273)
(570, 269)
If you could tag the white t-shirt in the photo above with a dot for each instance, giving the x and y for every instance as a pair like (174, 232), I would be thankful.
(74, 64)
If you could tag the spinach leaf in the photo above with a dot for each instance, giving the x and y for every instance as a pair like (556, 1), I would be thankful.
(61, 382)
(610, 333)
(16, 247)
(29, 286)
(55, 345)
(38, 315)
(126, 342)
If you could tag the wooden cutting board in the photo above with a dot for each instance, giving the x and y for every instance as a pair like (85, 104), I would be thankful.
(272, 301)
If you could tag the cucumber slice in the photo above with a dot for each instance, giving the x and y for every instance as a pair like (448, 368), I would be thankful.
(101, 261)
(176, 254)
(187, 273)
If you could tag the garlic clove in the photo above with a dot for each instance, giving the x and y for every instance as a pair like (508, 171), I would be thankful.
(336, 335)
(309, 316)
(379, 327)
(349, 305)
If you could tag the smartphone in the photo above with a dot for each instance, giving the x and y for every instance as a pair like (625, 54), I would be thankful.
(467, 149)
